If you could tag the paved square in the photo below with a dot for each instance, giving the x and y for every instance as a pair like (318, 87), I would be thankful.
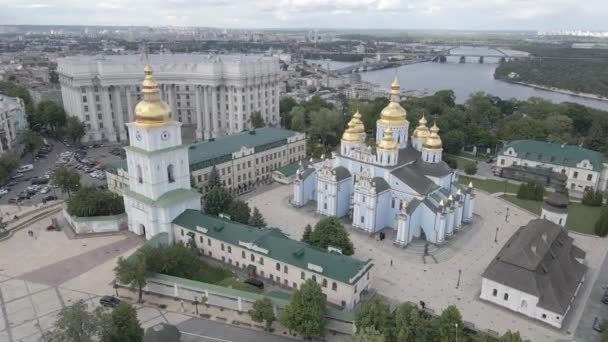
(414, 278)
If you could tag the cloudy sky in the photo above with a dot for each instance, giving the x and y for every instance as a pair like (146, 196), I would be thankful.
(379, 14)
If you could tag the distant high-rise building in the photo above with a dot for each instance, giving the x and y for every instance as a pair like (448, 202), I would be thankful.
(217, 94)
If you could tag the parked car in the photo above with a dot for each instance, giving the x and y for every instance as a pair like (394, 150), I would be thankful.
(45, 190)
(50, 198)
(13, 200)
(24, 195)
(39, 181)
(605, 297)
(3, 192)
(11, 183)
(25, 168)
(109, 301)
(598, 324)
(17, 175)
(255, 282)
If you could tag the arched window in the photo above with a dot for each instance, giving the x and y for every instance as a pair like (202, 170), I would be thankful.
(434, 158)
(389, 159)
(170, 173)
(140, 178)
(506, 297)
(494, 292)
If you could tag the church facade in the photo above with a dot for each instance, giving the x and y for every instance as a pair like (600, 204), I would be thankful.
(400, 183)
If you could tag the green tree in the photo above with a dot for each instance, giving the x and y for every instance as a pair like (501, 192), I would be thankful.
(239, 211)
(214, 179)
(8, 163)
(374, 314)
(470, 168)
(510, 336)
(13, 89)
(218, 201)
(410, 325)
(601, 225)
(453, 141)
(297, 120)
(329, 231)
(263, 311)
(67, 180)
(125, 325)
(51, 114)
(305, 313)
(257, 121)
(449, 325)
(132, 272)
(74, 130)
(285, 105)
(29, 139)
(593, 198)
(325, 126)
(256, 219)
(306, 237)
(369, 334)
(75, 324)
(89, 202)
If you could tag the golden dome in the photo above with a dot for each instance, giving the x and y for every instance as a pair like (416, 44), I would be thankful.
(421, 132)
(393, 113)
(358, 126)
(151, 111)
(350, 135)
(388, 143)
(433, 141)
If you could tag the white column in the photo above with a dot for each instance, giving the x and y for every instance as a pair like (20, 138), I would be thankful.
(198, 113)
(207, 112)
(107, 109)
(230, 112)
(214, 111)
(130, 106)
(119, 115)
(93, 112)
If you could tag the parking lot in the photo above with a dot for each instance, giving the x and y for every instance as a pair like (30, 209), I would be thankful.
(44, 166)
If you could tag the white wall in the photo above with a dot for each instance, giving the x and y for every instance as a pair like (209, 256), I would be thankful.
(98, 224)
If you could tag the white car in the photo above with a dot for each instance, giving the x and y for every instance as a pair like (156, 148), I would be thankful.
(3, 192)
(45, 190)
(25, 168)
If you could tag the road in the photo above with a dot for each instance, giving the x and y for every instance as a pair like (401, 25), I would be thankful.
(48, 163)
(594, 307)
(202, 330)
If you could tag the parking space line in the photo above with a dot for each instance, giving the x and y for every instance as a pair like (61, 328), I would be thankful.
(206, 337)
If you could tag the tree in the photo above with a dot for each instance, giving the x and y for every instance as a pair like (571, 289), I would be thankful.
(370, 334)
(305, 313)
(51, 114)
(593, 198)
(410, 326)
(239, 211)
(453, 141)
(297, 120)
(29, 139)
(125, 326)
(325, 126)
(90, 202)
(449, 325)
(471, 168)
(329, 231)
(601, 225)
(256, 219)
(257, 121)
(218, 201)
(285, 105)
(374, 314)
(8, 163)
(214, 179)
(76, 324)
(263, 311)
(132, 272)
(306, 237)
(74, 130)
(67, 180)
(510, 336)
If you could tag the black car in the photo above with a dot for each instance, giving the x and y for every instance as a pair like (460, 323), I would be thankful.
(605, 297)
(109, 301)
(255, 282)
(39, 181)
(49, 198)
(598, 324)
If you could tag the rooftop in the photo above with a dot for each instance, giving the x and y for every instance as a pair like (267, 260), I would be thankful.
(165, 59)
(281, 248)
(552, 153)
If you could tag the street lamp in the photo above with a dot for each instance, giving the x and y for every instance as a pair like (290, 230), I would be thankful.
(456, 332)
(496, 236)
(507, 215)
(458, 283)
(115, 286)
(196, 302)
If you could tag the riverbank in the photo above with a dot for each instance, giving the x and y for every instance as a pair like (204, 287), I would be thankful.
(558, 90)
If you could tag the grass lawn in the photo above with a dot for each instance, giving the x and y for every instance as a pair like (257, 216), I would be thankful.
(581, 218)
(237, 285)
(460, 161)
(489, 185)
(212, 274)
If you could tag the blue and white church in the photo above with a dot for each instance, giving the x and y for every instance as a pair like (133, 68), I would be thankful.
(400, 183)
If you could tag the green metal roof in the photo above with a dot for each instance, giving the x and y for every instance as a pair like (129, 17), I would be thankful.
(335, 266)
(289, 170)
(557, 154)
(209, 153)
(168, 198)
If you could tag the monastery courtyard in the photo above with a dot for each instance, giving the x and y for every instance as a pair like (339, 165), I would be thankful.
(434, 280)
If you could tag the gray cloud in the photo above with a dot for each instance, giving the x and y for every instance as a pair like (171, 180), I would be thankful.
(391, 14)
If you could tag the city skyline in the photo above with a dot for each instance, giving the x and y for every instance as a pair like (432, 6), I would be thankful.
(322, 14)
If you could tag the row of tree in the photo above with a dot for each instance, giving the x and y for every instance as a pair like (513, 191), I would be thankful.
(531, 191)
(220, 201)
(376, 323)
(89, 202)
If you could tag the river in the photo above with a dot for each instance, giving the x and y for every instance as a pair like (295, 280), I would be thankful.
(463, 79)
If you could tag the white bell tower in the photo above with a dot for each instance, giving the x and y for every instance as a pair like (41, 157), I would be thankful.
(158, 166)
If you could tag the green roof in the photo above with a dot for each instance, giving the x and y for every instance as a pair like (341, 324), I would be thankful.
(289, 170)
(334, 265)
(209, 153)
(557, 154)
(177, 195)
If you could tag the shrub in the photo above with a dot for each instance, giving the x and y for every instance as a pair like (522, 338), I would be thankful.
(451, 162)
(593, 198)
(471, 168)
(89, 202)
(601, 225)
(531, 191)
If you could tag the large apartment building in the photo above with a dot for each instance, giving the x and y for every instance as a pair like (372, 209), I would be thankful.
(217, 94)
(242, 160)
(12, 119)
